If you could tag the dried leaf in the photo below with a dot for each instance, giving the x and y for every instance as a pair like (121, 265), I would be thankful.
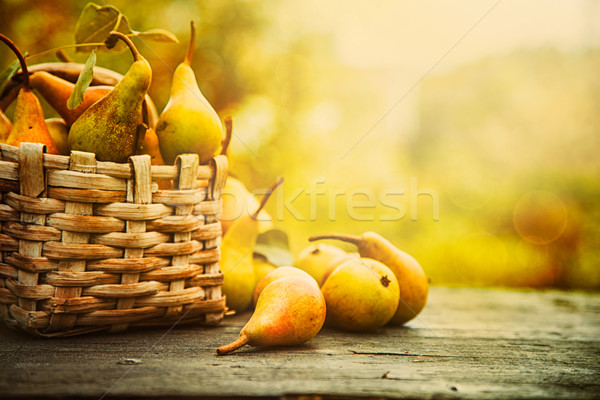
(8, 73)
(96, 22)
(157, 35)
(274, 246)
(83, 82)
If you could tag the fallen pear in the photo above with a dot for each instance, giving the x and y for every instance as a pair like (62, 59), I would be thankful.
(188, 123)
(237, 258)
(316, 259)
(277, 273)
(289, 311)
(361, 295)
(111, 127)
(29, 124)
(414, 285)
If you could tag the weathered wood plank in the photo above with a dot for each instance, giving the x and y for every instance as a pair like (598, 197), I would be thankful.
(468, 343)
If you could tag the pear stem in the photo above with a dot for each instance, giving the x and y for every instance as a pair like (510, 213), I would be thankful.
(236, 344)
(228, 133)
(22, 61)
(114, 34)
(265, 198)
(191, 46)
(338, 236)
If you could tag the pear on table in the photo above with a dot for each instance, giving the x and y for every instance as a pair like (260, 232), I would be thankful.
(361, 295)
(289, 311)
(278, 273)
(414, 285)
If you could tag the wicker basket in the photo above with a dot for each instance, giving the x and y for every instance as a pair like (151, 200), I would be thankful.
(89, 245)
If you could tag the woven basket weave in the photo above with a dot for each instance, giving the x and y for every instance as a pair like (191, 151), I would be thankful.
(89, 245)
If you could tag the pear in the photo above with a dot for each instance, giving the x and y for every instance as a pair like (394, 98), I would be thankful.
(111, 126)
(316, 259)
(5, 127)
(361, 295)
(277, 273)
(236, 257)
(414, 285)
(188, 122)
(29, 124)
(262, 267)
(290, 311)
(59, 131)
(237, 201)
(56, 91)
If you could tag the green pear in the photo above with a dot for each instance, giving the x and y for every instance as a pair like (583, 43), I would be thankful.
(111, 127)
(414, 285)
(361, 295)
(316, 259)
(237, 257)
(290, 311)
(188, 123)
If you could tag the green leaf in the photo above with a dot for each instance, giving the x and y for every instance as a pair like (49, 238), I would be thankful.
(8, 73)
(96, 22)
(157, 35)
(83, 82)
(274, 246)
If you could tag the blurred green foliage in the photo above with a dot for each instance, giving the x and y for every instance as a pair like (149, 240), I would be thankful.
(507, 145)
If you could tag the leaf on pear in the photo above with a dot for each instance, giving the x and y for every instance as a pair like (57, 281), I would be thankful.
(157, 35)
(96, 22)
(274, 246)
(8, 73)
(83, 82)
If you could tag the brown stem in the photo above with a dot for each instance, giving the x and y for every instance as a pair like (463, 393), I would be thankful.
(114, 34)
(62, 56)
(191, 46)
(236, 344)
(263, 201)
(228, 133)
(345, 238)
(19, 55)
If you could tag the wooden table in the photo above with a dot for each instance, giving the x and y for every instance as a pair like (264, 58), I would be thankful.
(468, 343)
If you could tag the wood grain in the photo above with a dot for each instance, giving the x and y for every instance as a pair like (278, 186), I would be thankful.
(468, 343)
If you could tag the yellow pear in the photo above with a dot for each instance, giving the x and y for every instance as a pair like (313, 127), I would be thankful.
(277, 273)
(414, 285)
(290, 311)
(188, 124)
(5, 127)
(29, 124)
(237, 201)
(361, 295)
(316, 259)
(236, 257)
(59, 131)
